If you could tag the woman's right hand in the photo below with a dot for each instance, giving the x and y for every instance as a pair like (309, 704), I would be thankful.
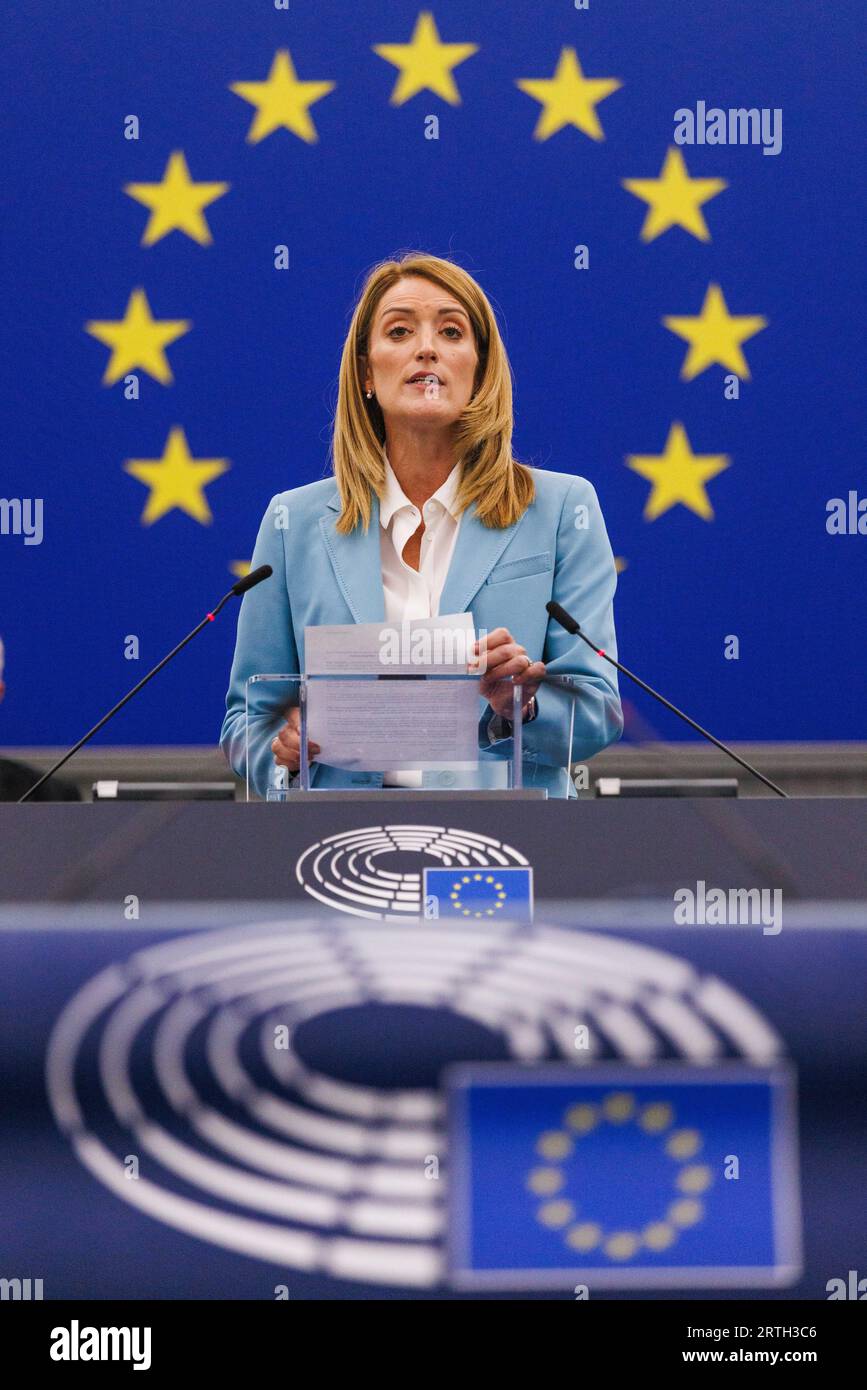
(286, 747)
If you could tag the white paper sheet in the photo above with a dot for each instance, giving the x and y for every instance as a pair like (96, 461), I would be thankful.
(417, 646)
(373, 725)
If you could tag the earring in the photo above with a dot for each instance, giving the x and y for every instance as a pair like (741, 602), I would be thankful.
(369, 394)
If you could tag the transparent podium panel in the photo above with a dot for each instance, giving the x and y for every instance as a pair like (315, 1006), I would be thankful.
(404, 732)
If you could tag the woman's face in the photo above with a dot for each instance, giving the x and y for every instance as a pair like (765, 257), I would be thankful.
(420, 330)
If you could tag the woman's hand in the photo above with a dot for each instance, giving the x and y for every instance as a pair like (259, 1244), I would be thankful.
(503, 656)
(286, 747)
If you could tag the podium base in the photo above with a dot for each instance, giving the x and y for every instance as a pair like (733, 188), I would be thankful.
(420, 794)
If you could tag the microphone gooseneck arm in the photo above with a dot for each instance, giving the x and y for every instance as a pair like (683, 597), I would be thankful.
(241, 587)
(566, 620)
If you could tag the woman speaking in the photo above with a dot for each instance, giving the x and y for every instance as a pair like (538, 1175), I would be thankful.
(429, 513)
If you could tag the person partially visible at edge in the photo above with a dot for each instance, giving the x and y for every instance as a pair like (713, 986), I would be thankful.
(426, 512)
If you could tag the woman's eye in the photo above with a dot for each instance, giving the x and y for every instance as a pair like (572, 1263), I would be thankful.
(449, 328)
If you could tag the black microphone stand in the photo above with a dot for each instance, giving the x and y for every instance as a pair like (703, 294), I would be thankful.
(568, 622)
(241, 587)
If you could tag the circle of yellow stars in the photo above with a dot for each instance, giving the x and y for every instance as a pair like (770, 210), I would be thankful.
(582, 1233)
(282, 100)
(457, 888)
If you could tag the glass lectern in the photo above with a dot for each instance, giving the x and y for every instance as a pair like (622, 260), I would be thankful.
(406, 732)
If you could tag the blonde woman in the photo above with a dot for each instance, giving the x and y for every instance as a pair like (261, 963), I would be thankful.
(428, 513)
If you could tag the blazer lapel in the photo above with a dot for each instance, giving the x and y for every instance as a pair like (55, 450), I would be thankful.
(477, 550)
(356, 562)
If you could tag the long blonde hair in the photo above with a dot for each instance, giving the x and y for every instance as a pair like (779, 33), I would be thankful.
(500, 486)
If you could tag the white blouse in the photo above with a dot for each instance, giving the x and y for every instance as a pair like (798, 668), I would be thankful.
(411, 593)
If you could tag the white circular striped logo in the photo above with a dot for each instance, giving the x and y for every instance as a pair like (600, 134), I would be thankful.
(187, 1056)
(352, 872)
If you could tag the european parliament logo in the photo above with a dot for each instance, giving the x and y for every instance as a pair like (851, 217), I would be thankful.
(482, 894)
(621, 1177)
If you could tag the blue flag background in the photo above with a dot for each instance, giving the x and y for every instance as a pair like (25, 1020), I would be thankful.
(244, 382)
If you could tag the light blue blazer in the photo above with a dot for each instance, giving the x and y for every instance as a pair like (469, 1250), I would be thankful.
(559, 549)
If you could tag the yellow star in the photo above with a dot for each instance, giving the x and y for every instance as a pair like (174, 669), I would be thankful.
(176, 204)
(715, 336)
(674, 198)
(282, 100)
(425, 63)
(137, 340)
(569, 98)
(176, 480)
(240, 568)
(678, 475)
(620, 564)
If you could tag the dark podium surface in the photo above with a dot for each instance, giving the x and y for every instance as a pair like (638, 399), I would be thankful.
(812, 848)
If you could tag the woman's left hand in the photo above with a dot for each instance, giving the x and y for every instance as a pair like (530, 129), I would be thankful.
(501, 656)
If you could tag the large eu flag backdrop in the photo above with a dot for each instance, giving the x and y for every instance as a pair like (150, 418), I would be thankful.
(308, 127)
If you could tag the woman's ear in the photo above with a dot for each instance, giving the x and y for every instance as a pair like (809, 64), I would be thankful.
(364, 375)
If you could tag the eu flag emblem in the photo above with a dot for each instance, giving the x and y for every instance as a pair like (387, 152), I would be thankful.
(621, 1177)
(479, 894)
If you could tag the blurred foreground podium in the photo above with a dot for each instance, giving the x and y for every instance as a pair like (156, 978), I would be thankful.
(154, 955)
(327, 1095)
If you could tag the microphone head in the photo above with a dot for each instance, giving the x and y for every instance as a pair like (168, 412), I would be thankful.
(252, 579)
(562, 617)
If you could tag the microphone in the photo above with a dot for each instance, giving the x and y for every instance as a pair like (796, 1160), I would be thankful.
(249, 581)
(240, 587)
(568, 622)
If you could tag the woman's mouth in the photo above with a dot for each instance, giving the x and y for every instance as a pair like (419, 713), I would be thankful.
(428, 379)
